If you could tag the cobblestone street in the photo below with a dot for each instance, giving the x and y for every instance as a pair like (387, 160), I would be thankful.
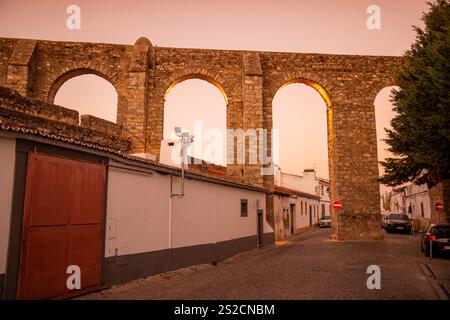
(308, 267)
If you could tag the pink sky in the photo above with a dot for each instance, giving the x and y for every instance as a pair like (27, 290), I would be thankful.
(282, 25)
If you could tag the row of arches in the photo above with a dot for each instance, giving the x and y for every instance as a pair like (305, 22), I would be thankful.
(200, 106)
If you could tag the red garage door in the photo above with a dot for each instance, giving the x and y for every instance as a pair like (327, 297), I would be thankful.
(62, 226)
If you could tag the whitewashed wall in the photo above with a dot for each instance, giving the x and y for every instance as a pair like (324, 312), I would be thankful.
(396, 204)
(301, 219)
(211, 213)
(308, 183)
(137, 212)
(415, 195)
(139, 208)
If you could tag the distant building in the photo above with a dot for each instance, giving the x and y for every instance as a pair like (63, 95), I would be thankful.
(417, 204)
(299, 201)
(398, 200)
(293, 210)
(309, 183)
(417, 201)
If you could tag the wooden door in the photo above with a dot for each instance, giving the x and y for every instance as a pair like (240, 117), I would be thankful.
(62, 226)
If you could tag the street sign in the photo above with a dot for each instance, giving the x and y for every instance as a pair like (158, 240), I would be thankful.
(337, 205)
(439, 206)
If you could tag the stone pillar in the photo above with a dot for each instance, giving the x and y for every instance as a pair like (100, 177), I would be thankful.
(21, 67)
(134, 119)
(253, 122)
(354, 169)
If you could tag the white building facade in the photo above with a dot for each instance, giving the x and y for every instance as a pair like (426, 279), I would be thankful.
(308, 183)
(413, 200)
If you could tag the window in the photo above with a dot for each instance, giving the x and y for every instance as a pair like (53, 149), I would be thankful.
(301, 208)
(244, 208)
(421, 209)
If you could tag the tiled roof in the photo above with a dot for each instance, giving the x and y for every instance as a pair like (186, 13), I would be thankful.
(291, 192)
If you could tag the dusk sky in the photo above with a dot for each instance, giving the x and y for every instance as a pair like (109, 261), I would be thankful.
(292, 26)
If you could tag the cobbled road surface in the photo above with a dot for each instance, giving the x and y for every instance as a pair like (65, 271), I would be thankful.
(309, 266)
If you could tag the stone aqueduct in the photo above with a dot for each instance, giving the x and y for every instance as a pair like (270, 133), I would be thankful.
(142, 74)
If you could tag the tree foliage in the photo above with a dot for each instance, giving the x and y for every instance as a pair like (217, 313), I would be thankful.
(420, 134)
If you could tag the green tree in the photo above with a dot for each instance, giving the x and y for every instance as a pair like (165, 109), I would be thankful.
(420, 134)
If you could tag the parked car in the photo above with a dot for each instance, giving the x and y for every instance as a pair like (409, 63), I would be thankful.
(439, 235)
(325, 222)
(398, 222)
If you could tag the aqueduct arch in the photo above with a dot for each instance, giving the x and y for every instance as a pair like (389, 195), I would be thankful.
(57, 84)
(202, 76)
(206, 118)
(142, 74)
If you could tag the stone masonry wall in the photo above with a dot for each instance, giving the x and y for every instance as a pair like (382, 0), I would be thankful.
(143, 75)
(18, 113)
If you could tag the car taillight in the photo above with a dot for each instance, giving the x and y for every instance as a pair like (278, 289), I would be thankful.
(431, 237)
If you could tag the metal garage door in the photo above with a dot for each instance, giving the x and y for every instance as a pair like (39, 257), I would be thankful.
(62, 226)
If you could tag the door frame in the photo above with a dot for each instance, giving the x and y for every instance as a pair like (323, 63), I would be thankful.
(260, 228)
(23, 147)
(310, 215)
(292, 212)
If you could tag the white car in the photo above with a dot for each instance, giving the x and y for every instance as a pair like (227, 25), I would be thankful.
(325, 222)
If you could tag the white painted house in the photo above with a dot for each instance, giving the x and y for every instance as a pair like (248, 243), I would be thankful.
(308, 183)
(72, 195)
(413, 200)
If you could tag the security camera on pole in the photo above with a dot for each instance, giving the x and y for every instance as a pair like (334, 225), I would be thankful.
(186, 141)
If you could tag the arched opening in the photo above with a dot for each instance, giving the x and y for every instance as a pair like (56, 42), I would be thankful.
(88, 94)
(197, 77)
(199, 107)
(301, 114)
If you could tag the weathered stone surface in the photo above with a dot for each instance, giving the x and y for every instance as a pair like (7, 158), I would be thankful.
(102, 125)
(143, 75)
(21, 66)
(11, 100)
(18, 113)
